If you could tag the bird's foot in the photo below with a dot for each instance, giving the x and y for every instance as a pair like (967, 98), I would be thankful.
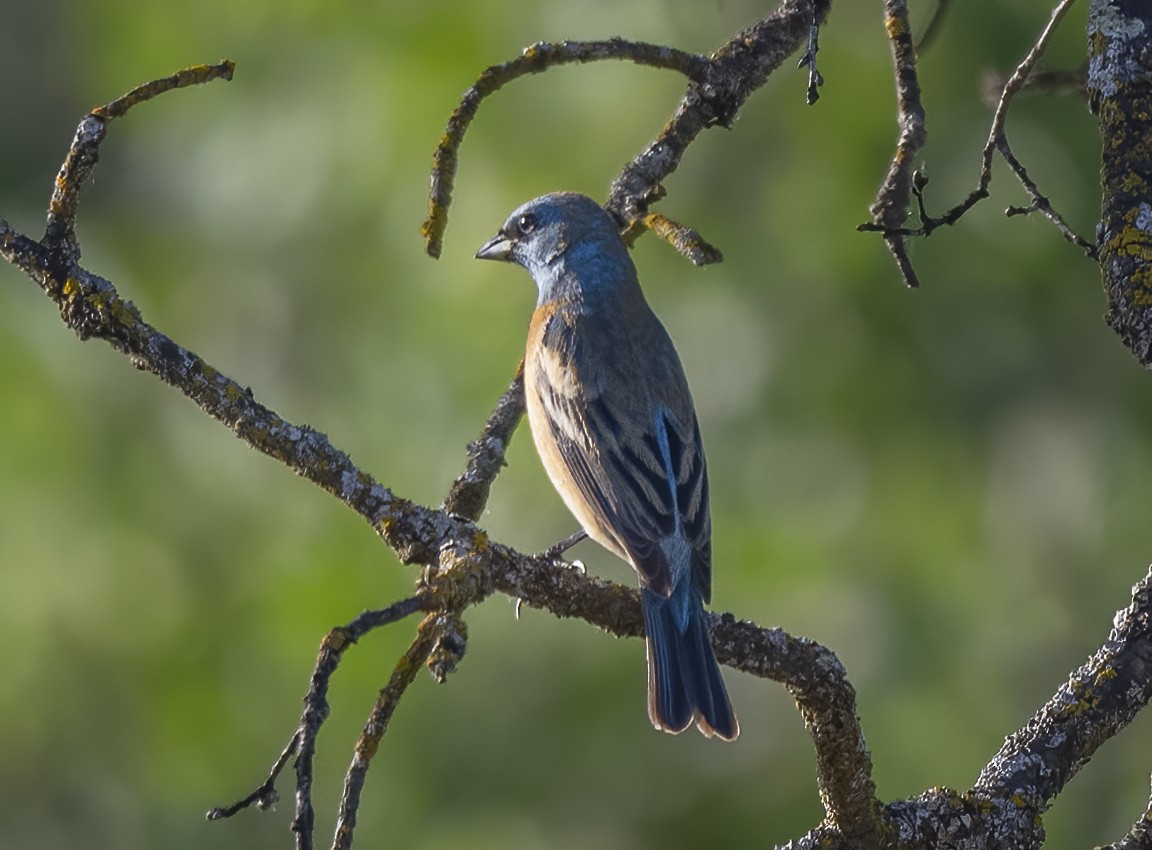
(555, 554)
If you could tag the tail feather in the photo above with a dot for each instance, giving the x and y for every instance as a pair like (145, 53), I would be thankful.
(684, 681)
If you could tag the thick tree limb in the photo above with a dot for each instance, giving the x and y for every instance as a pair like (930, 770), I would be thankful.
(1120, 92)
(1004, 807)
(1096, 702)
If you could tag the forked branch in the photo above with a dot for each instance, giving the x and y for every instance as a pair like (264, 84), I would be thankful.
(894, 200)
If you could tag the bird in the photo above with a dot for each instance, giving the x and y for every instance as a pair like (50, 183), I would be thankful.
(616, 430)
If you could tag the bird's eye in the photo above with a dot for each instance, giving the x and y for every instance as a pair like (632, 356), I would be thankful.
(526, 224)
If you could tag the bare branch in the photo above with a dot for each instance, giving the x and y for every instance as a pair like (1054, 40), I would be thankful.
(892, 203)
(535, 58)
(265, 795)
(719, 86)
(303, 741)
(1004, 807)
(684, 239)
(60, 236)
(430, 632)
(739, 67)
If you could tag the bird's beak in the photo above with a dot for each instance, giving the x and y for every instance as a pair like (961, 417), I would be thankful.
(499, 247)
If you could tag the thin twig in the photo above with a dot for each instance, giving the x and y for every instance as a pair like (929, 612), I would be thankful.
(808, 60)
(889, 225)
(403, 675)
(316, 709)
(895, 195)
(998, 141)
(265, 796)
(302, 743)
(1040, 203)
(684, 239)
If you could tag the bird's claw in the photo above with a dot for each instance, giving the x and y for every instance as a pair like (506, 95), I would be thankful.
(555, 553)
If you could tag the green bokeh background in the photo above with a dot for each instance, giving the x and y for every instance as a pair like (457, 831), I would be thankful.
(948, 487)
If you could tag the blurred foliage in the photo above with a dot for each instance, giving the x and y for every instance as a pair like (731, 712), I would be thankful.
(948, 487)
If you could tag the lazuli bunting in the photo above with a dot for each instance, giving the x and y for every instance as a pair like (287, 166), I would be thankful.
(615, 427)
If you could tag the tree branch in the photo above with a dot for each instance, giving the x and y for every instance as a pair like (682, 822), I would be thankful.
(1120, 93)
(303, 741)
(469, 493)
(890, 208)
(893, 202)
(1096, 702)
(535, 59)
(718, 87)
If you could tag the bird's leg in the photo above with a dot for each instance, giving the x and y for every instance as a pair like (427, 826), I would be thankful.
(554, 553)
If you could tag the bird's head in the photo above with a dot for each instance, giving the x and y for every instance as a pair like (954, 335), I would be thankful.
(564, 240)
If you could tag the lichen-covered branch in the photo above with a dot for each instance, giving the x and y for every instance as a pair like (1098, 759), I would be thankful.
(535, 58)
(1120, 92)
(431, 632)
(1096, 702)
(59, 235)
(1004, 807)
(736, 69)
(719, 85)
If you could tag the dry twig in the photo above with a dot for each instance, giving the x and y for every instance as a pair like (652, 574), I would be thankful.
(894, 199)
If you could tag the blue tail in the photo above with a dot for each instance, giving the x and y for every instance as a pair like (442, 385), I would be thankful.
(684, 682)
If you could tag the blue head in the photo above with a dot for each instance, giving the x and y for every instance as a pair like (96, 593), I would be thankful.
(568, 243)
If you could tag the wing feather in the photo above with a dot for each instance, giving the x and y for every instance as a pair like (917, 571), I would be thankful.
(631, 448)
